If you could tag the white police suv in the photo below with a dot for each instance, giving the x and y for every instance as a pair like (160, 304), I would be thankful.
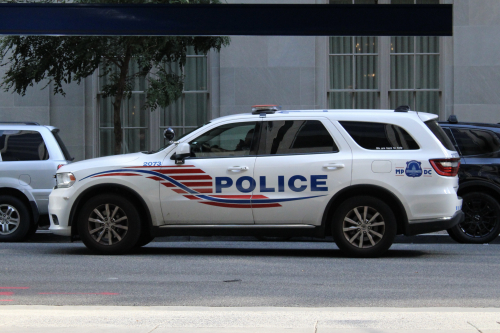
(363, 176)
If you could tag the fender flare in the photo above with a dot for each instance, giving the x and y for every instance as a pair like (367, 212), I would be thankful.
(110, 186)
(369, 190)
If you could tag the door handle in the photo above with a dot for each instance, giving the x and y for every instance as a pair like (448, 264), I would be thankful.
(334, 166)
(237, 168)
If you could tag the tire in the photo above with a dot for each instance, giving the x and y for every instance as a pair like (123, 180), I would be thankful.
(364, 227)
(144, 239)
(15, 219)
(109, 224)
(482, 219)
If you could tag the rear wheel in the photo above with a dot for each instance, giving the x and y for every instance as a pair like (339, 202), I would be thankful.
(482, 219)
(15, 219)
(364, 227)
(109, 224)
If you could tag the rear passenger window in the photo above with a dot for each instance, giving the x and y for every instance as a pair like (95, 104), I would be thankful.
(295, 137)
(22, 146)
(379, 136)
(476, 142)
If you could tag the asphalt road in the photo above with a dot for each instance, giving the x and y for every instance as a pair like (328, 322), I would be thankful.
(292, 274)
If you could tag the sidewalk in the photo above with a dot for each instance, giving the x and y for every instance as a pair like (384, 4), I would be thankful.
(114, 319)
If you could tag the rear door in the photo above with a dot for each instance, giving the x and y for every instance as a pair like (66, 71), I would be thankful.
(301, 163)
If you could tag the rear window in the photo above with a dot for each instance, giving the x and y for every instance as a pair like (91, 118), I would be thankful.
(440, 134)
(18, 145)
(61, 144)
(379, 136)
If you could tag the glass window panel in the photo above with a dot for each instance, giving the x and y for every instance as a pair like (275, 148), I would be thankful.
(106, 142)
(340, 100)
(134, 113)
(402, 44)
(172, 115)
(366, 72)
(366, 100)
(379, 136)
(196, 74)
(398, 98)
(365, 2)
(135, 140)
(22, 146)
(427, 71)
(476, 142)
(366, 44)
(340, 45)
(225, 141)
(402, 72)
(427, 101)
(341, 69)
(196, 109)
(295, 137)
(138, 82)
(427, 44)
(106, 116)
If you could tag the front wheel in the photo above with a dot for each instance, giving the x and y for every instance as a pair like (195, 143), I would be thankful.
(109, 224)
(482, 219)
(364, 227)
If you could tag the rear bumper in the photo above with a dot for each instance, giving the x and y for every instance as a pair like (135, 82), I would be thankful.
(416, 227)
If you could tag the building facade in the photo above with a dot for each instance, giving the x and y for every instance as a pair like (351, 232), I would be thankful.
(444, 75)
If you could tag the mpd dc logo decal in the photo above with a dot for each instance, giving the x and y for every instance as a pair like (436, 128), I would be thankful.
(413, 169)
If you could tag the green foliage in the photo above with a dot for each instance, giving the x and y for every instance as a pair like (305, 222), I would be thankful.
(62, 60)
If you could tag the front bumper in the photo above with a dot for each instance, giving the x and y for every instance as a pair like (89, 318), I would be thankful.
(60, 205)
(417, 227)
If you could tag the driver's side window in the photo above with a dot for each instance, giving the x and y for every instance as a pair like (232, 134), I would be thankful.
(229, 140)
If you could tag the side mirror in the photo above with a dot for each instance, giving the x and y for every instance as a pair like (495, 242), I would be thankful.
(182, 151)
(169, 134)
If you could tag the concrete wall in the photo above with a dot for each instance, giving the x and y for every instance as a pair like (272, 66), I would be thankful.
(476, 60)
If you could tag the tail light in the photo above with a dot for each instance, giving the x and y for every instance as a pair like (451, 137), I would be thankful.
(446, 166)
(60, 165)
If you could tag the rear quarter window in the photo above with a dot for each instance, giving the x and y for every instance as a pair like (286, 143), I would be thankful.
(379, 136)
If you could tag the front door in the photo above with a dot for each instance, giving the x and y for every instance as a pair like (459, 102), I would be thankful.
(215, 185)
(298, 169)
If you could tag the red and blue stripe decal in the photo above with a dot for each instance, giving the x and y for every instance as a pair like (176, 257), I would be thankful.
(194, 184)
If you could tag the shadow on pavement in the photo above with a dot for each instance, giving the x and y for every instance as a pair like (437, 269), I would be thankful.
(207, 251)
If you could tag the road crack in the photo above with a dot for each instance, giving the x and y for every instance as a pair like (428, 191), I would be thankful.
(154, 328)
(316, 327)
(475, 327)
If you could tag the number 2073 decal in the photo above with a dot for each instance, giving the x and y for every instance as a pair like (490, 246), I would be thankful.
(152, 164)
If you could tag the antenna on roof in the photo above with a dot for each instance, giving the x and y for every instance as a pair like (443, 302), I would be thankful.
(452, 119)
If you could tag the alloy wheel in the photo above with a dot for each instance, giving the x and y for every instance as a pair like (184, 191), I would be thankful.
(363, 227)
(480, 217)
(9, 219)
(108, 224)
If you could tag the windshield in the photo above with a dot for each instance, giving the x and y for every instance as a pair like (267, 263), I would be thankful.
(170, 143)
(440, 134)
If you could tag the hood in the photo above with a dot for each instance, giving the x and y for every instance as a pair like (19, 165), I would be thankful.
(108, 161)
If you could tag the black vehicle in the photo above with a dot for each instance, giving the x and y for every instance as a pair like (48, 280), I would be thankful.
(479, 177)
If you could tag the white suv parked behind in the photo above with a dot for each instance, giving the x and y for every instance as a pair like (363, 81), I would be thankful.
(363, 176)
(29, 157)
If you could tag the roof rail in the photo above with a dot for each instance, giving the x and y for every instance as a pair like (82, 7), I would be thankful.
(402, 108)
(20, 123)
(259, 109)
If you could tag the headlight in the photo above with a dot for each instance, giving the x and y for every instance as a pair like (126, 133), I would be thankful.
(65, 179)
